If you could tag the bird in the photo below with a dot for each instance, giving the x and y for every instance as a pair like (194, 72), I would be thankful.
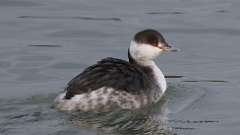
(113, 82)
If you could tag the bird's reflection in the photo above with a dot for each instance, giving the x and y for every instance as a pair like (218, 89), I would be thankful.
(145, 121)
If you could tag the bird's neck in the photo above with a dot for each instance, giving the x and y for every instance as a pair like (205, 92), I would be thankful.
(158, 76)
(157, 73)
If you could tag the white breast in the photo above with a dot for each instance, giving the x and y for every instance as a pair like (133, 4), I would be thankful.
(161, 82)
(159, 77)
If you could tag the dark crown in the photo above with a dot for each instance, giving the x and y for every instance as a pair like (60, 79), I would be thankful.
(149, 36)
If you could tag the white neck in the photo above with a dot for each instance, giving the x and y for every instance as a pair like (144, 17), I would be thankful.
(157, 74)
(144, 54)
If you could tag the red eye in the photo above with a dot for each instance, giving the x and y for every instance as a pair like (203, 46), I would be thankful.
(154, 43)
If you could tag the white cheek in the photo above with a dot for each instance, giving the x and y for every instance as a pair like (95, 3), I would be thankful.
(148, 52)
(143, 51)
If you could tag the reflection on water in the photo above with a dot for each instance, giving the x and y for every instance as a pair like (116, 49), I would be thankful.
(35, 113)
(147, 121)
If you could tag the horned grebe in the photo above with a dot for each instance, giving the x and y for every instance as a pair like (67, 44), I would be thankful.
(118, 83)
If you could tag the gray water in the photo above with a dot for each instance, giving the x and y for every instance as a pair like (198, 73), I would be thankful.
(43, 44)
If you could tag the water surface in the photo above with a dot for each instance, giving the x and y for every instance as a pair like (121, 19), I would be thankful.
(46, 43)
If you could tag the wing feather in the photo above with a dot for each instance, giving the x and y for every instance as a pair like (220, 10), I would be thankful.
(109, 72)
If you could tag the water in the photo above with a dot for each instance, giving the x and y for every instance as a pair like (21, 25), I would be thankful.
(46, 43)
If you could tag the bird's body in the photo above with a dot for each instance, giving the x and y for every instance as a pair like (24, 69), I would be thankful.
(118, 83)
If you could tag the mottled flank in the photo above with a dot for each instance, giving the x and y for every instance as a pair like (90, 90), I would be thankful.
(102, 99)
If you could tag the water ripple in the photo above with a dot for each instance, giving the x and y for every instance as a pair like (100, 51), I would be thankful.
(72, 17)
(216, 31)
(17, 3)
